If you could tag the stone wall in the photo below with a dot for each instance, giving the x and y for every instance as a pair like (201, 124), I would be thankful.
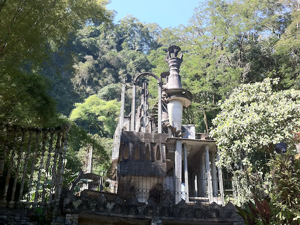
(101, 205)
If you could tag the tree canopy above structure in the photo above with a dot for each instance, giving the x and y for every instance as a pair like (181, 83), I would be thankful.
(253, 120)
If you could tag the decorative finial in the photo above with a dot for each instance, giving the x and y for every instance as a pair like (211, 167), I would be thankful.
(173, 52)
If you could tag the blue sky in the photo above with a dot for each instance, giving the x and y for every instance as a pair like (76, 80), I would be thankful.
(166, 13)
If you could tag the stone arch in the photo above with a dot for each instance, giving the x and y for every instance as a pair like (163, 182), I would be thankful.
(159, 85)
(145, 74)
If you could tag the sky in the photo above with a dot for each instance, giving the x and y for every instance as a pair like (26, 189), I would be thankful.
(166, 13)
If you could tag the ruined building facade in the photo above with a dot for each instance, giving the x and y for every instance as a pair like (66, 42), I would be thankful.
(162, 171)
(156, 155)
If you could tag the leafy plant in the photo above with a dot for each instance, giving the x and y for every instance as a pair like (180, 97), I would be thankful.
(258, 212)
(285, 193)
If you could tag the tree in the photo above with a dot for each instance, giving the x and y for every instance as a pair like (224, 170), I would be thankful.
(99, 116)
(30, 32)
(252, 121)
(228, 43)
(284, 193)
(107, 54)
(286, 53)
(27, 27)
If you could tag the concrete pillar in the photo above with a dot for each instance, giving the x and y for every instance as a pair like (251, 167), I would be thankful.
(196, 184)
(90, 160)
(163, 153)
(220, 176)
(145, 108)
(186, 175)
(132, 127)
(122, 106)
(214, 174)
(199, 190)
(178, 171)
(159, 108)
(190, 185)
(209, 181)
(175, 113)
(202, 177)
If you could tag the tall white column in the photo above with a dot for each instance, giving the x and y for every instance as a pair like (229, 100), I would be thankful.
(90, 160)
(159, 108)
(178, 171)
(220, 175)
(202, 177)
(122, 106)
(175, 113)
(186, 175)
(209, 181)
(214, 174)
(132, 127)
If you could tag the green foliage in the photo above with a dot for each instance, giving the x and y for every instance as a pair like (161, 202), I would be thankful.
(101, 153)
(285, 193)
(24, 100)
(258, 213)
(99, 114)
(30, 32)
(228, 43)
(107, 54)
(283, 196)
(252, 120)
(28, 26)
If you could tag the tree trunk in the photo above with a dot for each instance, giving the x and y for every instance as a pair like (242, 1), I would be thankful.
(205, 121)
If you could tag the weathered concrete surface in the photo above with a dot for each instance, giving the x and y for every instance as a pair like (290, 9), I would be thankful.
(93, 207)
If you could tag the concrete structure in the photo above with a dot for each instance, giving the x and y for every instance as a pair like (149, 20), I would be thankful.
(162, 174)
(155, 153)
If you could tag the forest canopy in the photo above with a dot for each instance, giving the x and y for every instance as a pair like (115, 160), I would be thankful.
(63, 61)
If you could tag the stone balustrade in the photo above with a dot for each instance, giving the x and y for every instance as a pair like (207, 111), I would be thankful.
(31, 165)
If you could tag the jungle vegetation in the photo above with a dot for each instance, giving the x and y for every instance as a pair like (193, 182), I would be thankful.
(63, 61)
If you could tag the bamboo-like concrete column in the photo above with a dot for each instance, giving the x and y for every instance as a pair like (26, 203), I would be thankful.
(122, 107)
(214, 175)
(186, 175)
(178, 171)
(40, 167)
(26, 159)
(2, 151)
(192, 184)
(220, 176)
(209, 179)
(23, 146)
(12, 155)
(38, 132)
(53, 181)
(58, 180)
(61, 166)
(202, 177)
(47, 165)
(132, 127)
(20, 153)
(159, 83)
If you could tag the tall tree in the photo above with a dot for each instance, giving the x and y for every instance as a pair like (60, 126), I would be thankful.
(100, 116)
(30, 31)
(226, 44)
(252, 121)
